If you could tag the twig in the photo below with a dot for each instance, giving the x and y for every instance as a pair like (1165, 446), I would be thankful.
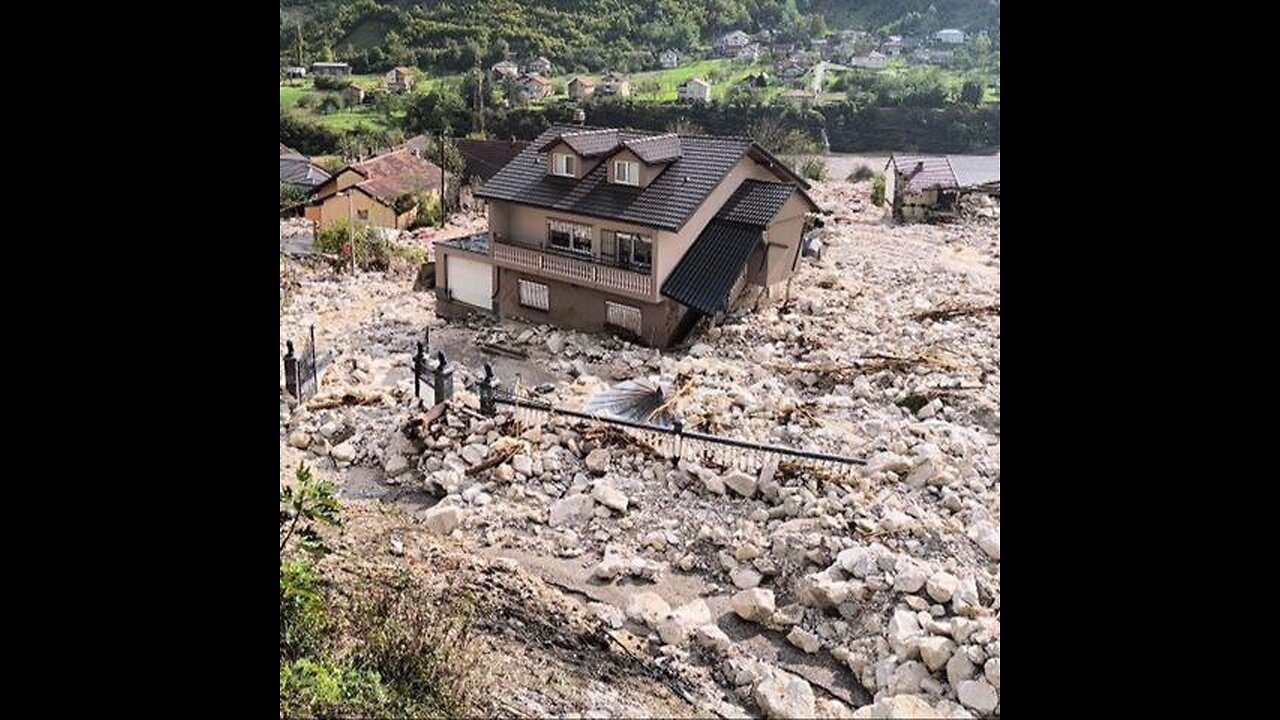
(493, 461)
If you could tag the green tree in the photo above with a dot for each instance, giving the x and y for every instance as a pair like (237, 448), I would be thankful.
(438, 110)
(971, 93)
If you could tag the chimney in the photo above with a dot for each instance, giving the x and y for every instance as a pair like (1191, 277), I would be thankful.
(580, 116)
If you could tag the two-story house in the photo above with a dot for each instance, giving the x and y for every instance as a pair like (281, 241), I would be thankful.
(626, 230)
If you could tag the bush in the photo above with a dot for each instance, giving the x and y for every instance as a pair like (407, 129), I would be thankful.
(304, 622)
(813, 168)
(318, 688)
(328, 82)
(428, 212)
(290, 195)
(877, 191)
(862, 173)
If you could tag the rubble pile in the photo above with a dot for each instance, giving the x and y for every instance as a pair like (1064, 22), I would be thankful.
(887, 348)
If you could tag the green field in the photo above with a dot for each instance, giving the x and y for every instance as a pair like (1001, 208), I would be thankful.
(291, 91)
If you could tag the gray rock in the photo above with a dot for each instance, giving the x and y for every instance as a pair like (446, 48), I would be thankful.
(647, 608)
(713, 483)
(804, 640)
(299, 439)
(907, 678)
(909, 579)
(936, 651)
(784, 695)
(574, 509)
(898, 706)
(474, 454)
(941, 586)
(904, 634)
(959, 669)
(609, 496)
(343, 452)
(987, 536)
(678, 625)
(442, 519)
(979, 695)
(992, 672)
(744, 578)
(522, 464)
(396, 465)
(755, 604)
(741, 483)
(598, 460)
(710, 636)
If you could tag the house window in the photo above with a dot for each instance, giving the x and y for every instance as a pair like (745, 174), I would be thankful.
(635, 251)
(534, 295)
(569, 237)
(627, 173)
(626, 317)
(564, 164)
(362, 214)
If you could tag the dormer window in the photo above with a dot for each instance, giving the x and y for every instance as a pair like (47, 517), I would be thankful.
(564, 164)
(626, 173)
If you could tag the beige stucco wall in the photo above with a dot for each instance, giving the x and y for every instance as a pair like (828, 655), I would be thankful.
(771, 264)
(528, 225)
(581, 308)
(339, 182)
(335, 209)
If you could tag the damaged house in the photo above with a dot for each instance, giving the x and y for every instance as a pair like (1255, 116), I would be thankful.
(625, 230)
(928, 187)
(373, 192)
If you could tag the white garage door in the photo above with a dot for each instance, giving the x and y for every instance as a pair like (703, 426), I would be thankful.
(470, 281)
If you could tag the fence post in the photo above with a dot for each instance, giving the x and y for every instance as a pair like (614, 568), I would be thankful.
(315, 362)
(419, 367)
(488, 407)
(678, 445)
(291, 371)
(443, 379)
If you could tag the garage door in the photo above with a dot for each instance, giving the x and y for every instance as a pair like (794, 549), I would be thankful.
(470, 281)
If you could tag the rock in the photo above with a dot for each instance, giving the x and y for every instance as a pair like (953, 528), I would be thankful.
(741, 483)
(299, 439)
(784, 695)
(923, 472)
(574, 509)
(343, 452)
(979, 695)
(788, 615)
(987, 536)
(895, 520)
(710, 636)
(329, 429)
(904, 633)
(598, 460)
(396, 465)
(897, 706)
(397, 547)
(992, 671)
(474, 454)
(647, 608)
(442, 519)
(744, 578)
(522, 464)
(936, 651)
(959, 669)
(929, 409)
(555, 343)
(965, 599)
(804, 640)
(609, 496)
(941, 586)
(909, 579)
(887, 462)
(755, 605)
(907, 678)
(677, 625)
(820, 590)
(505, 473)
(701, 350)
(713, 483)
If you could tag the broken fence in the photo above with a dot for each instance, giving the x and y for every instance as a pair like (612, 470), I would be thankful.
(302, 372)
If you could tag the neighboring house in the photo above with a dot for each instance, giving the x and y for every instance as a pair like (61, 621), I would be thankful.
(400, 78)
(765, 36)
(694, 90)
(636, 232)
(367, 191)
(539, 66)
(615, 83)
(505, 70)
(950, 36)
(731, 43)
(669, 58)
(484, 158)
(533, 87)
(919, 187)
(297, 170)
(294, 71)
(873, 59)
(892, 45)
(581, 87)
(750, 53)
(335, 69)
(353, 94)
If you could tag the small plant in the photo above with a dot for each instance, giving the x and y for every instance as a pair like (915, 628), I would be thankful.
(813, 168)
(305, 506)
(877, 191)
(861, 174)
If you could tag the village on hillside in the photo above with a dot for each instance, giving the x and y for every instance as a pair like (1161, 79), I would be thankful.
(594, 413)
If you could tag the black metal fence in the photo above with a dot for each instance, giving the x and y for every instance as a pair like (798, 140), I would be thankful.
(301, 372)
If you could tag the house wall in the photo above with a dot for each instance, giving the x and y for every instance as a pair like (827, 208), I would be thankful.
(528, 225)
(583, 165)
(335, 208)
(445, 305)
(578, 90)
(771, 264)
(579, 308)
(647, 172)
(339, 182)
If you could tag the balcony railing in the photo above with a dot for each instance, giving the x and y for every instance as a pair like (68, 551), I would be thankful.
(580, 272)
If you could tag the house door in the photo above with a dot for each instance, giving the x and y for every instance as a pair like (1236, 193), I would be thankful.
(470, 281)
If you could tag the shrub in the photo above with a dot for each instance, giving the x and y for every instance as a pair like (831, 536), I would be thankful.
(319, 688)
(290, 195)
(861, 174)
(327, 82)
(428, 212)
(813, 168)
(304, 620)
(877, 191)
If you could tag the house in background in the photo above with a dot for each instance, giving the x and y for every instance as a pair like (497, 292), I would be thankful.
(615, 83)
(729, 44)
(353, 94)
(484, 158)
(539, 66)
(630, 231)
(694, 89)
(533, 87)
(923, 187)
(367, 192)
(951, 36)
(297, 170)
(333, 69)
(892, 45)
(294, 71)
(874, 60)
(669, 58)
(505, 70)
(400, 79)
(749, 53)
(581, 87)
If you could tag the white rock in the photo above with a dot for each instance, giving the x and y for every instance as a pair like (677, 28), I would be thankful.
(505, 473)
(299, 439)
(741, 483)
(992, 671)
(904, 633)
(701, 350)
(936, 651)
(647, 608)
(784, 695)
(442, 519)
(941, 586)
(598, 460)
(713, 483)
(959, 669)
(804, 640)
(710, 636)
(909, 579)
(522, 464)
(897, 706)
(474, 454)
(343, 452)
(887, 461)
(908, 677)
(755, 604)
(396, 465)
(677, 625)
(819, 590)
(609, 496)
(744, 578)
(572, 509)
(979, 695)
(923, 472)
(987, 536)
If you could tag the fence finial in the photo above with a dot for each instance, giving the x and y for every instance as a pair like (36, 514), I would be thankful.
(288, 345)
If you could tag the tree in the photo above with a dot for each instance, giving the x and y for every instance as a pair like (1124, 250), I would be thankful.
(684, 126)
(982, 44)
(971, 93)
(434, 111)
(817, 26)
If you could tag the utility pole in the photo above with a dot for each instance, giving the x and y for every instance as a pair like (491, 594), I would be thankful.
(443, 187)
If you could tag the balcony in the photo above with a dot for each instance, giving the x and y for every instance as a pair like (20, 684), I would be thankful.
(582, 272)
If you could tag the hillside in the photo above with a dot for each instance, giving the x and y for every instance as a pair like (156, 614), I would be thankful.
(581, 35)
